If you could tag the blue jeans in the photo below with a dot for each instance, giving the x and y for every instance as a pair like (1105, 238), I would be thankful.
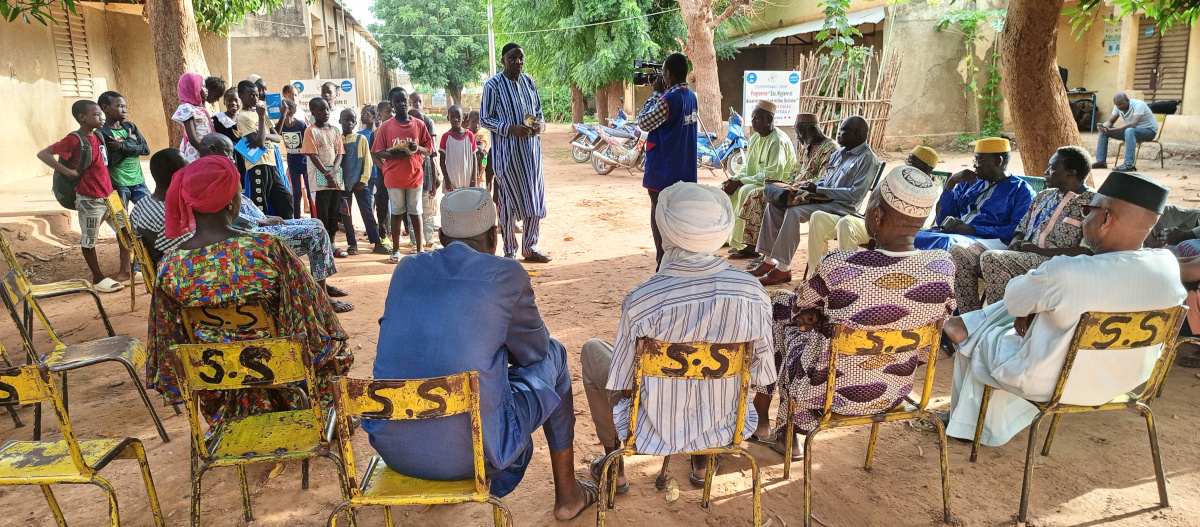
(1131, 136)
(133, 193)
(366, 207)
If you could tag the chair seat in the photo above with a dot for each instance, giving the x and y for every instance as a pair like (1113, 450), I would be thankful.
(65, 287)
(22, 460)
(1120, 401)
(382, 482)
(99, 350)
(272, 436)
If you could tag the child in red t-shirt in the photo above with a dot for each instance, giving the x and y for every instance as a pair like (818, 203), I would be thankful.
(400, 147)
(92, 187)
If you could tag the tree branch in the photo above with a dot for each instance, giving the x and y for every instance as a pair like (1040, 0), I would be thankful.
(733, 7)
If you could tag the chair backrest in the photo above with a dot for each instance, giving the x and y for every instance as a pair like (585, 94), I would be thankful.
(15, 289)
(1126, 331)
(9, 256)
(1038, 183)
(862, 207)
(408, 399)
(129, 239)
(223, 366)
(33, 384)
(1162, 123)
(882, 343)
(250, 320)
(691, 360)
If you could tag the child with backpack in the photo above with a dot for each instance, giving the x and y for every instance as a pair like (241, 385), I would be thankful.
(82, 183)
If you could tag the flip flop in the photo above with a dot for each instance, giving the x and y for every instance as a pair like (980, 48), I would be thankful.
(742, 254)
(594, 468)
(769, 440)
(394, 258)
(137, 279)
(380, 250)
(353, 251)
(1191, 361)
(335, 292)
(778, 449)
(341, 307)
(591, 495)
(699, 482)
(108, 285)
(340, 253)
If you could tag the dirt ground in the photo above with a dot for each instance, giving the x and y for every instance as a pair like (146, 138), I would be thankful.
(1099, 473)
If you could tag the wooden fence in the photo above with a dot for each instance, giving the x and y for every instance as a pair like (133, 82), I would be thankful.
(834, 90)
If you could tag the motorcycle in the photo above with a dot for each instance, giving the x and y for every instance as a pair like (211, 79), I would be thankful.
(588, 139)
(619, 148)
(730, 155)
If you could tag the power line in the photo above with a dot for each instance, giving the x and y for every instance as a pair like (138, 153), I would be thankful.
(645, 15)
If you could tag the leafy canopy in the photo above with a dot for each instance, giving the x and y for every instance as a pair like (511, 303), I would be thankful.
(409, 37)
(214, 15)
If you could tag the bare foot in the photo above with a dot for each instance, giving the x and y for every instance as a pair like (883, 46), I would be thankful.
(955, 329)
(120, 277)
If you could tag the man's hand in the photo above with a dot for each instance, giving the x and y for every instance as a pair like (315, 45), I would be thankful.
(359, 186)
(660, 84)
(1023, 246)
(1021, 324)
(731, 186)
(520, 130)
(808, 186)
(808, 319)
(270, 220)
(261, 110)
(1102, 129)
(112, 142)
(1176, 236)
(965, 176)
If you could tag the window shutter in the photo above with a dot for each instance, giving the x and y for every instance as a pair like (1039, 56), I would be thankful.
(70, 48)
(1161, 61)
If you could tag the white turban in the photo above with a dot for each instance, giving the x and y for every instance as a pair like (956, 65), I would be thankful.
(694, 220)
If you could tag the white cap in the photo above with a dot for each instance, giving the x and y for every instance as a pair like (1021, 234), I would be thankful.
(909, 191)
(467, 212)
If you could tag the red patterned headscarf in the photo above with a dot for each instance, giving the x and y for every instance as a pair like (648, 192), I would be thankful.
(205, 186)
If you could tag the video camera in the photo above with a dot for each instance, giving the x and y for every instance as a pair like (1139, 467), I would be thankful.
(641, 78)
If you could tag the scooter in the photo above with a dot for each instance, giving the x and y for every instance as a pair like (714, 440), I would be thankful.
(730, 155)
(619, 148)
(587, 139)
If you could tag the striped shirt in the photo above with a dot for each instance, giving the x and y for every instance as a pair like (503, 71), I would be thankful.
(517, 160)
(149, 215)
(710, 303)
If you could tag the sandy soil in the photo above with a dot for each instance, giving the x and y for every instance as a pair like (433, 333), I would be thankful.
(597, 230)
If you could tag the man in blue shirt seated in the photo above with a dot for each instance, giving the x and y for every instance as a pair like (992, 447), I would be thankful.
(487, 321)
(982, 205)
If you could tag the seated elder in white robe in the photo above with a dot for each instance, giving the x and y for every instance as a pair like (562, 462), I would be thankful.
(1000, 346)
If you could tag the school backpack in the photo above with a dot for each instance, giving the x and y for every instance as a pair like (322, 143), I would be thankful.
(63, 186)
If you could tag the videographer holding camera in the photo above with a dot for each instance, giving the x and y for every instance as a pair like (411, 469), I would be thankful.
(670, 117)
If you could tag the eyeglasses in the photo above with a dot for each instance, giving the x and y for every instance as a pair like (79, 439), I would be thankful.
(1088, 209)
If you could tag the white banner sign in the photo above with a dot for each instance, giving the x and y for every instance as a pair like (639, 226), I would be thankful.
(345, 92)
(779, 87)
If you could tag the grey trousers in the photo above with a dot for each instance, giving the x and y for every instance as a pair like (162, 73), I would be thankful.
(780, 234)
(596, 358)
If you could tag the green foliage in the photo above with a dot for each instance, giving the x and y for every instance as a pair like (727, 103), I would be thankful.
(837, 35)
(34, 9)
(969, 24)
(1166, 12)
(214, 15)
(434, 60)
(556, 103)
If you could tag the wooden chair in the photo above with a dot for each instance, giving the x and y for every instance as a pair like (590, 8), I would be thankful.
(1162, 124)
(405, 399)
(862, 343)
(271, 437)
(126, 351)
(132, 243)
(1103, 331)
(56, 289)
(46, 463)
(704, 361)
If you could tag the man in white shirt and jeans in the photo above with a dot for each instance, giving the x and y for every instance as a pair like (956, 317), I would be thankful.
(1139, 126)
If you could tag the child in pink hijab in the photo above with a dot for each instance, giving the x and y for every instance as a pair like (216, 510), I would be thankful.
(192, 114)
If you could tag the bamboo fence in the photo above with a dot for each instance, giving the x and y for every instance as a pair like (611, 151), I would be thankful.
(834, 90)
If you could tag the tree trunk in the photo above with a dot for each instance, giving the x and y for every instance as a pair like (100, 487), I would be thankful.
(1032, 87)
(616, 92)
(701, 50)
(177, 51)
(578, 105)
(454, 93)
(602, 105)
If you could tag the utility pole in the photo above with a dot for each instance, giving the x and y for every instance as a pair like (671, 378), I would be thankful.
(491, 43)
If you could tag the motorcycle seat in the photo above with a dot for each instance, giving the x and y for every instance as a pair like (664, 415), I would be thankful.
(711, 136)
(617, 133)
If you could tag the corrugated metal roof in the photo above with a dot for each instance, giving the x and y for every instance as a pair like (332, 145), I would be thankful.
(873, 15)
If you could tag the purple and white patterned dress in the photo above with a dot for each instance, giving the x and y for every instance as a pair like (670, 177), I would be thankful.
(870, 290)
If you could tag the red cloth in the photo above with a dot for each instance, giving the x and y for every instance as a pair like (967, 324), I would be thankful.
(404, 173)
(205, 186)
(95, 182)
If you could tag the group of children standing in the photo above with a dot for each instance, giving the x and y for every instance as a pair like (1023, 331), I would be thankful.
(389, 166)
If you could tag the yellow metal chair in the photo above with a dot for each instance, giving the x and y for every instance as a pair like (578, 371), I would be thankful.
(56, 289)
(126, 351)
(12, 408)
(406, 399)
(133, 243)
(860, 343)
(1103, 331)
(46, 463)
(271, 437)
(701, 361)
(1162, 123)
